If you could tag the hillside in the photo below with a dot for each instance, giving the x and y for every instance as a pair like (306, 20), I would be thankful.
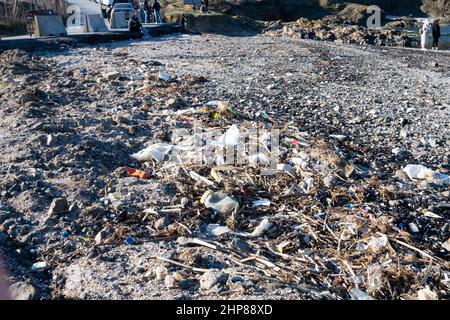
(294, 9)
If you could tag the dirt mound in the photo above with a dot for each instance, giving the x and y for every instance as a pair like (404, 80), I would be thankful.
(13, 62)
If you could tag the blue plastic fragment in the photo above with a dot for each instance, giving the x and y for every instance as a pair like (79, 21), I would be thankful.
(129, 240)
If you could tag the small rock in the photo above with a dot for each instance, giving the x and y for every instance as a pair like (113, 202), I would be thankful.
(111, 75)
(176, 104)
(39, 266)
(74, 208)
(446, 245)
(23, 291)
(101, 236)
(161, 223)
(329, 181)
(237, 279)
(160, 272)
(50, 140)
(164, 76)
(177, 276)
(186, 284)
(240, 245)
(169, 281)
(58, 206)
(211, 278)
(413, 228)
(427, 294)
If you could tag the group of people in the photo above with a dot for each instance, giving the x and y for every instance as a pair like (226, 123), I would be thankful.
(134, 25)
(151, 11)
(435, 29)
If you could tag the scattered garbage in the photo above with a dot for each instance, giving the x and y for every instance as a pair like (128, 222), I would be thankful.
(231, 137)
(217, 230)
(137, 173)
(261, 203)
(330, 221)
(155, 152)
(219, 201)
(264, 226)
(420, 172)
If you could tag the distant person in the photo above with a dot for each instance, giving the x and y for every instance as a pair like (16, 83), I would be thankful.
(157, 11)
(147, 11)
(133, 24)
(108, 12)
(436, 31)
(183, 22)
(205, 7)
(424, 34)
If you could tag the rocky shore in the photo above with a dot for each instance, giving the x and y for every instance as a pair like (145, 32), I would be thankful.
(335, 30)
(345, 217)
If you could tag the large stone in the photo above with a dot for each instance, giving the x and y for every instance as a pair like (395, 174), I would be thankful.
(96, 23)
(52, 25)
(58, 206)
(211, 278)
(162, 223)
(23, 291)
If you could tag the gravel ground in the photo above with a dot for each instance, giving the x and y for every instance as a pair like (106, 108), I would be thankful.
(66, 132)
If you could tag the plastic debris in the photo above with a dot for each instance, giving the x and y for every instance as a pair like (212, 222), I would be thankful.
(418, 172)
(358, 294)
(262, 228)
(219, 201)
(261, 203)
(155, 152)
(137, 173)
(231, 137)
(129, 240)
(217, 230)
(65, 233)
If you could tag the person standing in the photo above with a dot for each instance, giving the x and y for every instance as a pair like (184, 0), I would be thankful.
(205, 6)
(147, 11)
(424, 32)
(436, 31)
(157, 10)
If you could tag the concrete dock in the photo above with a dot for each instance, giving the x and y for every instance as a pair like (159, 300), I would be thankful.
(73, 38)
